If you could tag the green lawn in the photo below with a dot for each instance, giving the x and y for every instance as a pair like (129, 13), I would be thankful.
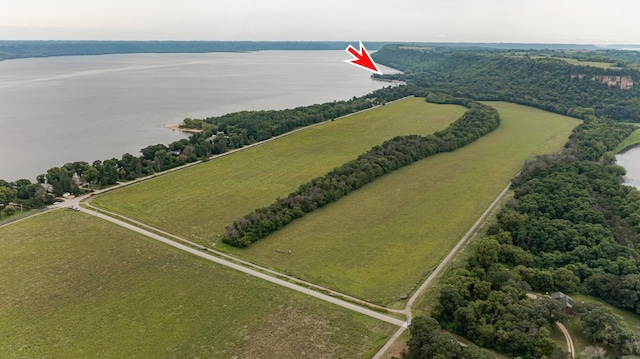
(631, 319)
(379, 242)
(199, 202)
(77, 287)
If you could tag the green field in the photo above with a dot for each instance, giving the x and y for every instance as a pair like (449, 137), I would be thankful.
(633, 139)
(199, 202)
(77, 287)
(602, 65)
(379, 242)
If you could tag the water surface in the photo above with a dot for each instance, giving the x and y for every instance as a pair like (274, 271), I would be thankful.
(83, 108)
(630, 160)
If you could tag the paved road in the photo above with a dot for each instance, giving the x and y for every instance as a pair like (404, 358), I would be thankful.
(437, 272)
(224, 262)
(567, 336)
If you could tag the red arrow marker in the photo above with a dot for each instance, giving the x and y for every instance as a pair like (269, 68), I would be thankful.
(362, 59)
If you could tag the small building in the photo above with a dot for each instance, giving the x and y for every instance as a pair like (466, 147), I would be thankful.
(47, 187)
(566, 302)
(76, 179)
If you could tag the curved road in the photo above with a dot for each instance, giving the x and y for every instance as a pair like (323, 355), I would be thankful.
(567, 336)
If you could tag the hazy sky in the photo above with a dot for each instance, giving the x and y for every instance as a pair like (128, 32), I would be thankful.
(558, 21)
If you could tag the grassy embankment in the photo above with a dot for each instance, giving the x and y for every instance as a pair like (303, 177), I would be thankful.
(632, 140)
(199, 202)
(379, 242)
(74, 286)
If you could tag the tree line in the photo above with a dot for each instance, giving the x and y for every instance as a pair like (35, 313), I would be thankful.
(15, 49)
(220, 134)
(393, 154)
(571, 226)
(493, 75)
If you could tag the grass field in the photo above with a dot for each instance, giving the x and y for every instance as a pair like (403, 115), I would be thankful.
(199, 202)
(76, 287)
(379, 242)
(602, 65)
(633, 139)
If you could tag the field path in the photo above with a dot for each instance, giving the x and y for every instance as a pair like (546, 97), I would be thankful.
(567, 336)
(255, 273)
(437, 271)
(247, 264)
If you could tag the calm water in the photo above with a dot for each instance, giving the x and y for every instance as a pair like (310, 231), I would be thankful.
(630, 160)
(83, 108)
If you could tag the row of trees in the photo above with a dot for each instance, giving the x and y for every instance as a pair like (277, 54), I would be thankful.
(380, 160)
(220, 135)
(546, 83)
(247, 127)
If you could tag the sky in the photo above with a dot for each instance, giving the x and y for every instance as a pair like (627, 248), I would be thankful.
(542, 21)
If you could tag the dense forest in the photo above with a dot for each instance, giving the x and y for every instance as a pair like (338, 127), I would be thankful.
(393, 154)
(571, 226)
(220, 134)
(545, 82)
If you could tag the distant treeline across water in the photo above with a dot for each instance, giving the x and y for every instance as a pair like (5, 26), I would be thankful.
(25, 49)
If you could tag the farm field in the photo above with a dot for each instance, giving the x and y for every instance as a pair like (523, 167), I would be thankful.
(602, 65)
(76, 286)
(379, 242)
(199, 202)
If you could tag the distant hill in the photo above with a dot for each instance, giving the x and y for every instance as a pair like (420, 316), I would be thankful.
(23, 49)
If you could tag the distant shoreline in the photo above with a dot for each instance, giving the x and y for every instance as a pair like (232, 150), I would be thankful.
(175, 127)
(20, 49)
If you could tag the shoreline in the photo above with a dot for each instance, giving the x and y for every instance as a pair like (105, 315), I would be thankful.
(176, 127)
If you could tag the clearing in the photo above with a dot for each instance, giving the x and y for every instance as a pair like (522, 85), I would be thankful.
(76, 286)
(381, 241)
(197, 203)
(631, 319)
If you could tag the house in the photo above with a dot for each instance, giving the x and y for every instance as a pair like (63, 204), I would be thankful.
(566, 302)
(47, 187)
(213, 137)
(76, 179)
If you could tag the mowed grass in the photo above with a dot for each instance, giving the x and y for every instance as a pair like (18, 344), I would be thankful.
(199, 202)
(381, 241)
(77, 287)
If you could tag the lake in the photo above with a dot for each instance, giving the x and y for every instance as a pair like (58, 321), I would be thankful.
(84, 108)
(630, 160)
